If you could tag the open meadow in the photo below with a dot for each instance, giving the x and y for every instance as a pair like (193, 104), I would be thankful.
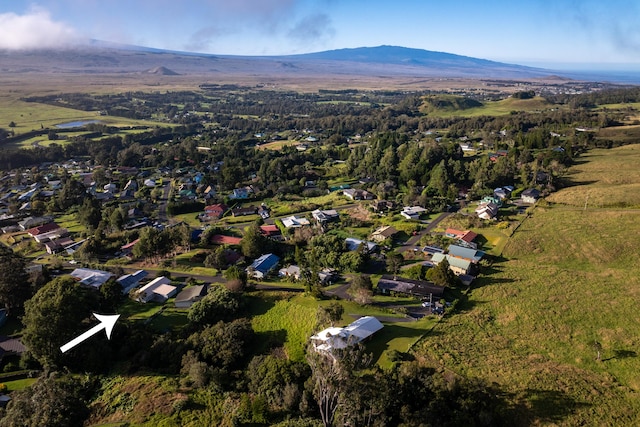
(565, 290)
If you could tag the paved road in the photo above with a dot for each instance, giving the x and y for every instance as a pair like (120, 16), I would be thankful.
(414, 240)
(162, 207)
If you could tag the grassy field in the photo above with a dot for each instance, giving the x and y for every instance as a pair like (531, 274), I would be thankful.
(567, 279)
(496, 108)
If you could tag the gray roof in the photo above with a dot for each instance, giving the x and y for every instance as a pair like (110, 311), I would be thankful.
(191, 292)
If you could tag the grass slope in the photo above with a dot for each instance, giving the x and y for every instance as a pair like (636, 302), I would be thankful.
(567, 279)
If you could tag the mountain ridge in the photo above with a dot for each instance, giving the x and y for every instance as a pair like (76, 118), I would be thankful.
(379, 61)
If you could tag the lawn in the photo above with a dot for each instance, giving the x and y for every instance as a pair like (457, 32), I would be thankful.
(291, 319)
(566, 279)
(19, 384)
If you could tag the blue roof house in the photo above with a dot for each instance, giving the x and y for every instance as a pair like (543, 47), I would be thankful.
(263, 265)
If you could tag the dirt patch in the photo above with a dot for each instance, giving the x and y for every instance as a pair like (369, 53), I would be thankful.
(360, 212)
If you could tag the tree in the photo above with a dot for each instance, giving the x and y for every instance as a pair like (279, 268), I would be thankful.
(110, 295)
(442, 275)
(52, 401)
(361, 289)
(219, 304)
(15, 288)
(330, 314)
(394, 262)
(236, 273)
(331, 376)
(54, 316)
(223, 345)
(216, 259)
(254, 243)
(90, 213)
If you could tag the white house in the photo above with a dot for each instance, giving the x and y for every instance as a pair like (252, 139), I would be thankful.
(324, 215)
(487, 210)
(294, 222)
(91, 278)
(339, 338)
(412, 212)
(158, 290)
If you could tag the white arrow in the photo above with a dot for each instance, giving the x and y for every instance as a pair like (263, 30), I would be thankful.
(106, 322)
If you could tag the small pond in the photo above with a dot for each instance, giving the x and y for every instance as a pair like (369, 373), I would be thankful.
(76, 124)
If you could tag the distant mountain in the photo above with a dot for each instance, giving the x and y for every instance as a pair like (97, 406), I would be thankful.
(162, 71)
(406, 60)
(382, 61)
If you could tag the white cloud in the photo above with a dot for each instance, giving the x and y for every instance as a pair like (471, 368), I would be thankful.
(35, 30)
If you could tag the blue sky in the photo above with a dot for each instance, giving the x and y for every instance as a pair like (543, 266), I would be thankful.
(539, 32)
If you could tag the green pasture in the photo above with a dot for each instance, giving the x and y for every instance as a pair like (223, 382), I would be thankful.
(567, 279)
(602, 179)
(495, 108)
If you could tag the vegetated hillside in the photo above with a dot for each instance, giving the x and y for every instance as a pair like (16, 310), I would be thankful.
(564, 289)
(449, 103)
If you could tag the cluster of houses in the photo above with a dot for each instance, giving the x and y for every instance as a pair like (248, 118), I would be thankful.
(157, 290)
(489, 205)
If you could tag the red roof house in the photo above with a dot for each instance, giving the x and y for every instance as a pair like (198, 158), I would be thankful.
(41, 229)
(215, 211)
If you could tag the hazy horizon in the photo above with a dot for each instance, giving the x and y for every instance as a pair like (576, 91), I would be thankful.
(560, 34)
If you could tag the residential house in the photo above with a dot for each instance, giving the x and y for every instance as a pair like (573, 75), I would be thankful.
(530, 195)
(412, 212)
(271, 231)
(325, 215)
(419, 288)
(263, 265)
(464, 238)
(339, 338)
(356, 194)
(292, 272)
(354, 244)
(328, 275)
(264, 212)
(130, 281)
(158, 290)
(251, 210)
(11, 347)
(91, 278)
(383, 233)
(432, 250)
(51, 235)
(149, 182)
(190, 295)
(503, 192)
(220, 239)
(381, 206)
(492, 199)
(472, 255)
(295, 222)
(209, 192)
(31, 222)
(241, 193)
(458, 265)
(215, 211)
(487, 210)
(128, 248)
(57, 245)
(42, 229)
